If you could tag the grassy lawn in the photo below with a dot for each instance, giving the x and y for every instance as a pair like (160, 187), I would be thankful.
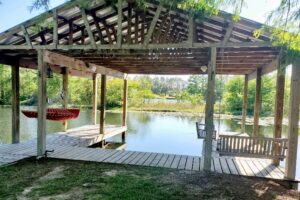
(59, 179)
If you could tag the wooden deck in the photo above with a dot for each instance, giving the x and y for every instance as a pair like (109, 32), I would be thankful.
(227, 165)
(82, 136)
(72, 145)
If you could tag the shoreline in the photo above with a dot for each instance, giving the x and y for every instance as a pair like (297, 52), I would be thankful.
(263, 121)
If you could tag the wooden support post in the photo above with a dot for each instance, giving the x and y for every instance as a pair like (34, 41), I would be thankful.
(42, 105)
(15, 103)
(125, 98)
(102, 104)
(279, 103)
(209, 109)
(244, 114)
(290, 166)
(257, 103)
(65, 93)
(95, 87)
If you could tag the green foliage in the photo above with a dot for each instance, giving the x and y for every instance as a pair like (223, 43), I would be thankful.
(234, 95)
(5, 88)
(197, 85)
(235, 90)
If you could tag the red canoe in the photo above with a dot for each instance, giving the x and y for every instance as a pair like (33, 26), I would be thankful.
(56, 114)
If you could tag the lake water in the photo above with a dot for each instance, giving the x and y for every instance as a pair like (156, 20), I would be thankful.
(148, 132)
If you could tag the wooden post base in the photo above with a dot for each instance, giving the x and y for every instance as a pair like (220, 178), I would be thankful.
(123, 137)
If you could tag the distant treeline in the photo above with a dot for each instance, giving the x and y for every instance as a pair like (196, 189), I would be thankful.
(229, 91)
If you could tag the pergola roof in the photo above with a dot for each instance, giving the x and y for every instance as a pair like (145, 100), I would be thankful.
(151, 41)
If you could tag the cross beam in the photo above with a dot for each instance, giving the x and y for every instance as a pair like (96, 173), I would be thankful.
(65, 61)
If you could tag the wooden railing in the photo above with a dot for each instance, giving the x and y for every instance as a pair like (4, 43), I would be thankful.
(252, 146)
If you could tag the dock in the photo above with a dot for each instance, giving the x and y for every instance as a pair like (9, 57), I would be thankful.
(251, 167)
(83, 136)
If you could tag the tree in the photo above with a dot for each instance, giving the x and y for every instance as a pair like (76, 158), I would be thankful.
(5, 85)
(197, 85)
(234, 95)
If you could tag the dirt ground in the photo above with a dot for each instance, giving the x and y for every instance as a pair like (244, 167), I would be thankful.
(60, 179)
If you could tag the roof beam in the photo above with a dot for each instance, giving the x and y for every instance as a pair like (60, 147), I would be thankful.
(228, 33)
(129, 23)
(152, 26)
(138, 46)
(88, 28)
(120, 20)
(162, 24)
(55, 27)
(191, 33)
(272, 66)
(26, 35)
(65, 61)
(99, 31)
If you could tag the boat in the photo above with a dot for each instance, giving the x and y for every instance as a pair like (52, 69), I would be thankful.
(55, 114)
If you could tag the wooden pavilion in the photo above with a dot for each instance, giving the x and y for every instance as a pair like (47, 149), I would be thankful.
(120, 39)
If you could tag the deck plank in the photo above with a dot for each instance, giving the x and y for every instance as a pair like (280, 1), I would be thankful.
(196, 163)
(156, 160)
(150, 159)
(182, 162)
(247, 169)
(131, 157)
(239, 167)
(169, 161)
(100, 157)
(119, 156)
(162, 161)
(232, 168)
(257, 172)
(143, 159)
(217, 165)
(125, 157)
(137, 158)
(175, 162)
(189, 163)
(224, 166)
(262, 170)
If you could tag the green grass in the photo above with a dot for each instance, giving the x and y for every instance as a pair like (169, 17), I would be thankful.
(59, 179)
(169, 107)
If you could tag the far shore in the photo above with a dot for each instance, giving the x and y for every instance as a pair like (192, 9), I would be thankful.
(263, 121)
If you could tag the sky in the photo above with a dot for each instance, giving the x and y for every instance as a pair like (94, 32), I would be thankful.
(14, 12)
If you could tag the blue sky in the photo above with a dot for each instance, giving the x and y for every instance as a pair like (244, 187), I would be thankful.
(14, 12)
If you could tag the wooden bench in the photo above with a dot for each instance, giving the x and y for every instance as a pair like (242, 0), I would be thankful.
(201, 133)
(252, 146)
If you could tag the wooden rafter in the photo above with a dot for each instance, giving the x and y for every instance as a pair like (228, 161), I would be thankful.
(28, 41)
(152, 26)
(120, 20)
(55, 28)
(88, 28)
(98, 28)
